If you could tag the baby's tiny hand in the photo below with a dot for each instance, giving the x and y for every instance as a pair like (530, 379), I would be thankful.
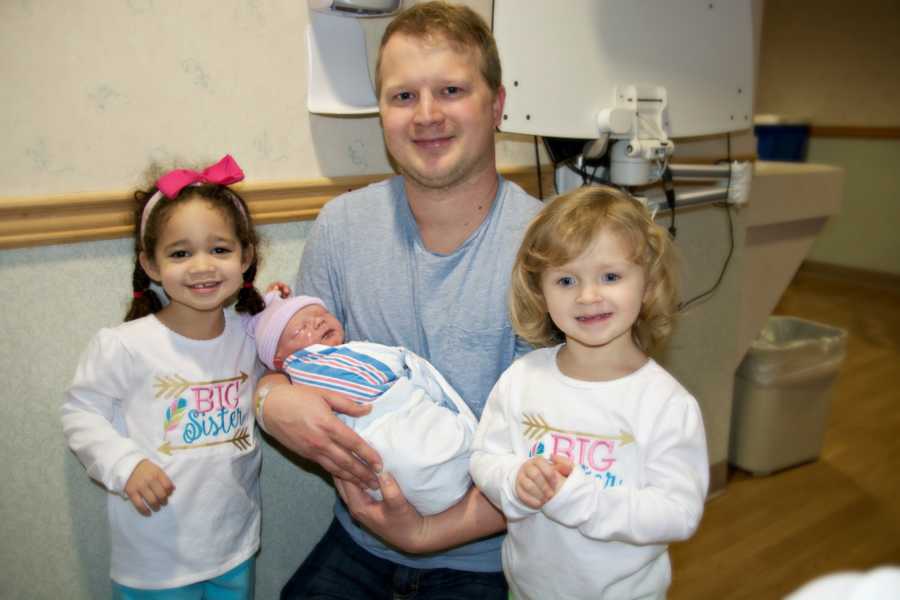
(284, 290)
(148, 487)
(537, 482)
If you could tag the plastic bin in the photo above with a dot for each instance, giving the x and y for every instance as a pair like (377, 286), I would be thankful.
(781, 394)
(781, 138)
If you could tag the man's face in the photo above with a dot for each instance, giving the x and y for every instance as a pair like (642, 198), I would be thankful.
(437, 111)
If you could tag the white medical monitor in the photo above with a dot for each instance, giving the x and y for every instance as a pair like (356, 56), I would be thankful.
(563, 61)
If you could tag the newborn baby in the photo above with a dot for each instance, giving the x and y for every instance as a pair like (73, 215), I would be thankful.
(418, 424)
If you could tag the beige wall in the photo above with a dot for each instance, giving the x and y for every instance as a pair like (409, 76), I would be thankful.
(832, 61)
(835, 63)
(92, 93)
(864, 234)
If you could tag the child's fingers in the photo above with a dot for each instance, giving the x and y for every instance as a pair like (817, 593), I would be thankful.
(531, 502)
(524, 490)
(144, 501)
(562, 464)
(283, 289)
(529, 494)
(166, 483)
(535, 482)
(148, 487)
(160, 491)
(545, 474)
(151, 499)
(538, 487)
(138, 504)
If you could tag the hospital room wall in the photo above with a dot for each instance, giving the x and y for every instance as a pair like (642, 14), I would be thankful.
(834, 64)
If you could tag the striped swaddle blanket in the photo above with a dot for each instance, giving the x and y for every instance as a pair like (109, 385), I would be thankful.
(341, 369)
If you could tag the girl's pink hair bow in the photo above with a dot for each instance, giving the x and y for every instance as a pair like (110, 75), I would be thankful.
(224, 172)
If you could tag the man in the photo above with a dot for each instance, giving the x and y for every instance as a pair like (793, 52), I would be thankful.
(422, 261)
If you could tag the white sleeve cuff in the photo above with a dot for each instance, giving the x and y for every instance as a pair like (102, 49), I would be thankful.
(560, 507)
(120, 472)
(512, 507)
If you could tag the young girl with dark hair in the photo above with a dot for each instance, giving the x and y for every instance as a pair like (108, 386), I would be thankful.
(160, 409)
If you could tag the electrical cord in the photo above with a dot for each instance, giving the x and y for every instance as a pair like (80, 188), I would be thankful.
(669, 189)
(586, 177)
(684, 305)
(537, 162)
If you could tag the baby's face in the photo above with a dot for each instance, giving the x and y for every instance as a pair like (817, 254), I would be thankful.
(310, 325)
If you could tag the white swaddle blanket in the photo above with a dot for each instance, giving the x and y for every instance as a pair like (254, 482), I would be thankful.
(419, 424)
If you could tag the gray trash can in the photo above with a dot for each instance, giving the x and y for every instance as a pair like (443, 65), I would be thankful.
(781, 394)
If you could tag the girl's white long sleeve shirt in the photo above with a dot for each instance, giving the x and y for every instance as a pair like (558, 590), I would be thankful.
(141, 391)
(640, 478)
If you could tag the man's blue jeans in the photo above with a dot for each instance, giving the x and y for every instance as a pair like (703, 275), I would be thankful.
(338, 568)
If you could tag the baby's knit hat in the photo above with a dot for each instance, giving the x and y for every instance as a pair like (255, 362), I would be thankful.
(268, 325)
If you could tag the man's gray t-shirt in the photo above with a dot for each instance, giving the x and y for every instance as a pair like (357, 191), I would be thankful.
(367, 262)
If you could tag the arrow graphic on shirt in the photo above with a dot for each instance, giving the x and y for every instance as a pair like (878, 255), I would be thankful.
(176, 384)
(241, 439)
(536, 427)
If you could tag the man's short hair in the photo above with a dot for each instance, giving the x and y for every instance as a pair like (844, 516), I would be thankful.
(459, 25)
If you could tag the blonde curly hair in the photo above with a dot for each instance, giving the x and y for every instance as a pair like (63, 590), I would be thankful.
(563, 230)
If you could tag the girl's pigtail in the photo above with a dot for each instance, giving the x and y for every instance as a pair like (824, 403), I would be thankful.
(249, 300)
(145, 301)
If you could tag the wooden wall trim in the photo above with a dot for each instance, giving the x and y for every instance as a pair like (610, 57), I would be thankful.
(81, 217)
(857, 276)
(839, 131)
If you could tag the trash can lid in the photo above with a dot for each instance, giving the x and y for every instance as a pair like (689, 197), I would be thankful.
(785, 333)
(790, 349)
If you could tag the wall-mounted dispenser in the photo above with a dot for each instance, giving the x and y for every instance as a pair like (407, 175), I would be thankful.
(338, 73)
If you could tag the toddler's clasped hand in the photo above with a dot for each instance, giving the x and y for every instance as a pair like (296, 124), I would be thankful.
(540, 479)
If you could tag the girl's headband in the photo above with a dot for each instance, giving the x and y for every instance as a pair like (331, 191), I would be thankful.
(224, 172)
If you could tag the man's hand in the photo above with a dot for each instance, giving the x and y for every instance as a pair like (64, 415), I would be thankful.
(394, 520)
(148, 487)
(301, 418)
(538, 479)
